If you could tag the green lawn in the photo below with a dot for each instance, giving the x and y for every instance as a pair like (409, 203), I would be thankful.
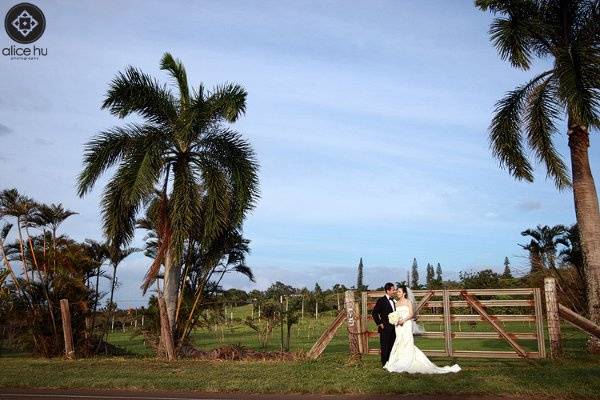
(575, 376)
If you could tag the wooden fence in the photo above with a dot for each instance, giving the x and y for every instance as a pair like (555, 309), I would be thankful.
(484, 306)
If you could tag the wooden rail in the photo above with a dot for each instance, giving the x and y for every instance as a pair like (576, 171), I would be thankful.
(578, 321)
(488, 307)
(326, 337)
(473, 302)
(473, 318)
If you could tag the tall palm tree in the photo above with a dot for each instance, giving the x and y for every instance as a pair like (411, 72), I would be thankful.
(21, 208)
(568, 34)
(98, 253)
(206, 174)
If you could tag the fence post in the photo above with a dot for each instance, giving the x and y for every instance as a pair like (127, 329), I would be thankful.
(353, 339)
(447, 324)
(553, 317)
(539, 322)
(67, 333)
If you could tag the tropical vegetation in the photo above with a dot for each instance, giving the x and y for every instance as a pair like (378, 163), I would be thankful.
(567, 34)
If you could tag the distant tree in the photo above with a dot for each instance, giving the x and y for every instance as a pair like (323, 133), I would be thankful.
(359, 280)
(430, 276)
(546, 238)
(507, 272)
(571, 258)
(414, 277)
(279, 289)
(484, 279)
(438, 277)
(318, 297)
(317, 290)
(235, 296)
(536, 260)
(339, 287)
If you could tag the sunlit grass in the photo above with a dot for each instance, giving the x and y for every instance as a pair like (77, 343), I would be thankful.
(575, 376)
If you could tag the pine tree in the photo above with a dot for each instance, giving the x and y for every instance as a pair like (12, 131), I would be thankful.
(414, 275)
(359, 281)
(430, 276)
(438, 273)
(507, 272)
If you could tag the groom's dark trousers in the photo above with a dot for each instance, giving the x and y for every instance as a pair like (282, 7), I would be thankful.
(387, 335)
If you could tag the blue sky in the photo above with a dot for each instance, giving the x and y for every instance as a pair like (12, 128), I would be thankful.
(369, 120)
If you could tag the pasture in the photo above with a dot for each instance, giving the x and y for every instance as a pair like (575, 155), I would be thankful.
(574, 376)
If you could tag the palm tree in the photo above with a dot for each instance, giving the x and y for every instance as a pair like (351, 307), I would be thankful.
(571, 255)
(4, 231)
(52, 216)
(567, 33)
(206, 175)
(545, 239)
(20, 207)
(116, 256)
(536, 259)
(98, 253)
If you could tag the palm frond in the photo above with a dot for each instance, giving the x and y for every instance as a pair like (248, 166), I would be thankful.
(177, 72)
(511, 38)
(245, 270)
(163, 243)
(542, 111)
(6, 227)
(132, 185)
(216, 199)
(227, 101)
(185, 206)
(133, 91)
(118, 211)
(103, 151)
(505, 131)
(578, 85)
(234, 154)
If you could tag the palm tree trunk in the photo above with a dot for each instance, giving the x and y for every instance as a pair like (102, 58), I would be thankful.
(588, 220)
(171, 289)
(96, 298)
(22, 249)
(112, 285)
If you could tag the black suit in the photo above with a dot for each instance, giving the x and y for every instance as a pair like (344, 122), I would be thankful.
(387, 335)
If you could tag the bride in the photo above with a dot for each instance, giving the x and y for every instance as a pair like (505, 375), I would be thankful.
(405, 356)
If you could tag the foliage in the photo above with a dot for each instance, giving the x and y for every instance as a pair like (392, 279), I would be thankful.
(414, 275)
(359, 278)
(193, 178)
(507, 272)
(44, 268)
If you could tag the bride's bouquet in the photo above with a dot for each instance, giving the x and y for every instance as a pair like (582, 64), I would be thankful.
(394, 317)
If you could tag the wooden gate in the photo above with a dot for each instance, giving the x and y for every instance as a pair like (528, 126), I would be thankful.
(493, 307)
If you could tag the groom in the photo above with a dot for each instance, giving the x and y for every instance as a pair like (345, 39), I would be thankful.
(387, 333)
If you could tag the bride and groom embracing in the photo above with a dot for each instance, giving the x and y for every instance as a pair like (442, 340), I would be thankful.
(393, 314)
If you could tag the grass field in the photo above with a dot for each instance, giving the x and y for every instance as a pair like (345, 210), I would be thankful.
(575, 376)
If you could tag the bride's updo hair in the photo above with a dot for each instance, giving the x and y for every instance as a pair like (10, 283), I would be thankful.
(404, 291)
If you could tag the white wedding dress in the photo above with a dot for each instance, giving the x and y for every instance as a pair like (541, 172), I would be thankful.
(406, 357)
